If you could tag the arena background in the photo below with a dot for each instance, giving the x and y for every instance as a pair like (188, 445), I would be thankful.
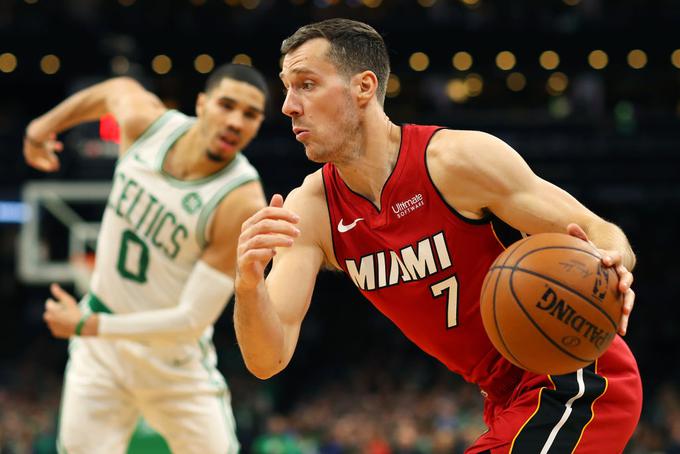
(603, 125)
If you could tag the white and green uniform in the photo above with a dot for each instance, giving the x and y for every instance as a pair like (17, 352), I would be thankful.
(154, 230)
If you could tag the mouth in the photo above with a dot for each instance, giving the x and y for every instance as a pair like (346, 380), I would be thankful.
(228, 141)
(300, 133)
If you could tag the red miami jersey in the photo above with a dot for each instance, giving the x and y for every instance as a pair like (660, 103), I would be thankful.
(421, 263)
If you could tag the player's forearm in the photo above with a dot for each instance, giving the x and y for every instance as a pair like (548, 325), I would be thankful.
(204, 296)
(86, 105)
(259, 332)
(608, 236)
(177, 323)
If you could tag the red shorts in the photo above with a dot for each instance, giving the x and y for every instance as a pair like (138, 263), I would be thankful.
(591, 411)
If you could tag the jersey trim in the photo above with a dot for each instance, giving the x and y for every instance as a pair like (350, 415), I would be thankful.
(592, 405)
(165, 148)
(387, 181)
(480, 221)
(505, 234)
(97, 305)
(211, 205)
(562, 413)
(330, 217)
(150, 130)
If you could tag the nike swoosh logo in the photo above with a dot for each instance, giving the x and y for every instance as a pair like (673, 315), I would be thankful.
(342, 228)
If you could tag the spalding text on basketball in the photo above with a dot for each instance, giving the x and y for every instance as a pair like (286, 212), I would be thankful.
(565, 313)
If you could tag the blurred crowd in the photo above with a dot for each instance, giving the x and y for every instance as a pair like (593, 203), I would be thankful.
(368, 410)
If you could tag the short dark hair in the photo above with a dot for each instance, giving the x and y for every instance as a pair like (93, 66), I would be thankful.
(354, 47)
(241, 73)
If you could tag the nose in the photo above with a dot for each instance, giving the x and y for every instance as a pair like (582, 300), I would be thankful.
(235, 120)
(291, 105)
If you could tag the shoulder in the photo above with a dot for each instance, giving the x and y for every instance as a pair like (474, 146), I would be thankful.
(471, 157)
(135, 122)
(230, 214)
(240, 204)
(469, 167)
(310, 195)
(135, 108)
(458, 149)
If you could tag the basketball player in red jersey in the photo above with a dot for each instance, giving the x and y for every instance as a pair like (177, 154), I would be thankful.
(415, 215)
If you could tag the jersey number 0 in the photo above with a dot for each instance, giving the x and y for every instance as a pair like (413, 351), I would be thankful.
(133, 259)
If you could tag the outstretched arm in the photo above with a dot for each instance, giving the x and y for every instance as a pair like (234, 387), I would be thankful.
(134, 108)
(477, 172)
(204, 297)
(268, 315)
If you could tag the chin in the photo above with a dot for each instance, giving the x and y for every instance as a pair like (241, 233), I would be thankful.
(215, 156)
(314, 156)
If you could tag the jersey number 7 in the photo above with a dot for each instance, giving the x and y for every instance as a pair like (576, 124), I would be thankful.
(450, 286)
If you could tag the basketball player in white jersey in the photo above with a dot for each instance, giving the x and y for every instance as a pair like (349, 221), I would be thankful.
(141, 338)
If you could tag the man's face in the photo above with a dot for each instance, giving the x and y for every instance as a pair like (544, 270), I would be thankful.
(229, 116)
(319, 102)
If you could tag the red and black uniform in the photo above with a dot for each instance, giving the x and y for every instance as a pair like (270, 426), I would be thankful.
(422, 264)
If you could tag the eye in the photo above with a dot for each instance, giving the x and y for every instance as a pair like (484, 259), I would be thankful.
(307, 85)
(251, 115)
(227, 106)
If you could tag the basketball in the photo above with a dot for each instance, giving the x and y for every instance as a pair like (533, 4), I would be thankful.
(549, 305)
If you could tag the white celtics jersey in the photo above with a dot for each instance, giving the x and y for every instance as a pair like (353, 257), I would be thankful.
(155, 226)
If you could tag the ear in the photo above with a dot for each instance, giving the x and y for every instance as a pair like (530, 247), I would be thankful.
(366, 84)
(201, 99)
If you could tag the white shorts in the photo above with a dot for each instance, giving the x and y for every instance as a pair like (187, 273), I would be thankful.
(176, 387)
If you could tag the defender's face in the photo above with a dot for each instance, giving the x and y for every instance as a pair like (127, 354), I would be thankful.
(318, 101)
(230, 116)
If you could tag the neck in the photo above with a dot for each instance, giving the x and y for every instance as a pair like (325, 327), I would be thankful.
(374, 159)
(188, 160)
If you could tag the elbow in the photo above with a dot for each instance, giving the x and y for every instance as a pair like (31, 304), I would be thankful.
(262, 375)
(632, 260)
(264, 371)
(123, 84)
(123, 81)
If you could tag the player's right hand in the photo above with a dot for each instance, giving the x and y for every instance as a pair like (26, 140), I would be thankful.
(613, 259)
(42, 154)
(261, 234)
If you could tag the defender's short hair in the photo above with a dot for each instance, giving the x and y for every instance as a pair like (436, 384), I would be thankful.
(241, 73)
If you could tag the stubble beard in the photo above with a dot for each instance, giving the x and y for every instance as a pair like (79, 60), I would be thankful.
(345, 146)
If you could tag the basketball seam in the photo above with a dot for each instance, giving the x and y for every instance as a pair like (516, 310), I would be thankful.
(564, 287)
(498, 328)
(533, 322)
(495, 318)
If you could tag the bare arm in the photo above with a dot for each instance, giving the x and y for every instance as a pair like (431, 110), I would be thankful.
(477, 172)
(268, 315)
(134, 108)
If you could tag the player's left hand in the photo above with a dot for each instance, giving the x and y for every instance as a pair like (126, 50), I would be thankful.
(61, 313)
(613, 259)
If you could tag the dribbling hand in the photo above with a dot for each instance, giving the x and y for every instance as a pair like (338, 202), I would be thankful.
(261, 234)
(613, 259)
(42, 154)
